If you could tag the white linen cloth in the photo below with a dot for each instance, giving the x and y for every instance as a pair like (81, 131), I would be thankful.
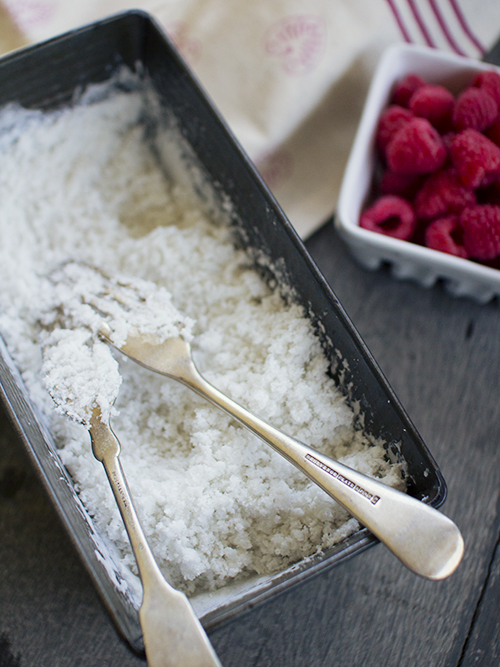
(289, 77)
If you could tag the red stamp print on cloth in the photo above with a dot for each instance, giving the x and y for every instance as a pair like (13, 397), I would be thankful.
(30, 13)
(297, 41)
(275, 168)
(189, 47)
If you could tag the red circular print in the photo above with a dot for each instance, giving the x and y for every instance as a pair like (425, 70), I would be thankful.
(30, 13)
(275, 168)
(297, 41)
(189, 47)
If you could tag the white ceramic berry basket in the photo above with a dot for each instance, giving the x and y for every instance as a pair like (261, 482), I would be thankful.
(461, 277)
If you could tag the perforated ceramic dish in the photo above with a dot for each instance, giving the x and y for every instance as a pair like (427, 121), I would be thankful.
(461, 277)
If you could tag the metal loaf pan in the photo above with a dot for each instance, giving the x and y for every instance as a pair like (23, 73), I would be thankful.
(46, 76)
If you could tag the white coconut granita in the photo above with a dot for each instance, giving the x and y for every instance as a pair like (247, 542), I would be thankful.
(78, 369)
(82, 186)
(80, 374)
(85, 296)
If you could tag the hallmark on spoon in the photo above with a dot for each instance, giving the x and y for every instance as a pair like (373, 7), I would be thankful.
(341, 478)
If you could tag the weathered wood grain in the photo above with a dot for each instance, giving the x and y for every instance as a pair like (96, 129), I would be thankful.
(483, 644)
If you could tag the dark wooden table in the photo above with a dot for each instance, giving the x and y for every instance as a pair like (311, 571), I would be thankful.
(442, 356)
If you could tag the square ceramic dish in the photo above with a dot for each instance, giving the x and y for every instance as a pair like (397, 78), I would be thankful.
(461, 277)
(46, 76)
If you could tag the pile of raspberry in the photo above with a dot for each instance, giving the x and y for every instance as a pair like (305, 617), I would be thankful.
(438, 173)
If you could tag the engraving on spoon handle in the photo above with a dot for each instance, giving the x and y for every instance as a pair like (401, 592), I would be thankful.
(106, 449)
(172, 633)
(423, 539)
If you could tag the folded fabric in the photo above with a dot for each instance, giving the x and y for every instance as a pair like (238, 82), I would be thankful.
(289, 78)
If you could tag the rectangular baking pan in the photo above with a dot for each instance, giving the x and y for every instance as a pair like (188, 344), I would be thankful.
(46, 77)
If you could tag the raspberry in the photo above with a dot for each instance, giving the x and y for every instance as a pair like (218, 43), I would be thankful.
(439, 168)
(391, 120)
(405, 89)
(416, 148)
(474, 108)
(390, 215)
(474, 156)
(405, 185)
(442, 193)
(490, 82)
(434, 103)
(445, 234)
(481, 229)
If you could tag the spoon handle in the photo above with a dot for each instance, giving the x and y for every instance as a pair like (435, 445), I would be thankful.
(423, 539)
(173, 635)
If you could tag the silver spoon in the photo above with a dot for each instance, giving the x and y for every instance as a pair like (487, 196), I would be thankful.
(423, 539)
(173, 635)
